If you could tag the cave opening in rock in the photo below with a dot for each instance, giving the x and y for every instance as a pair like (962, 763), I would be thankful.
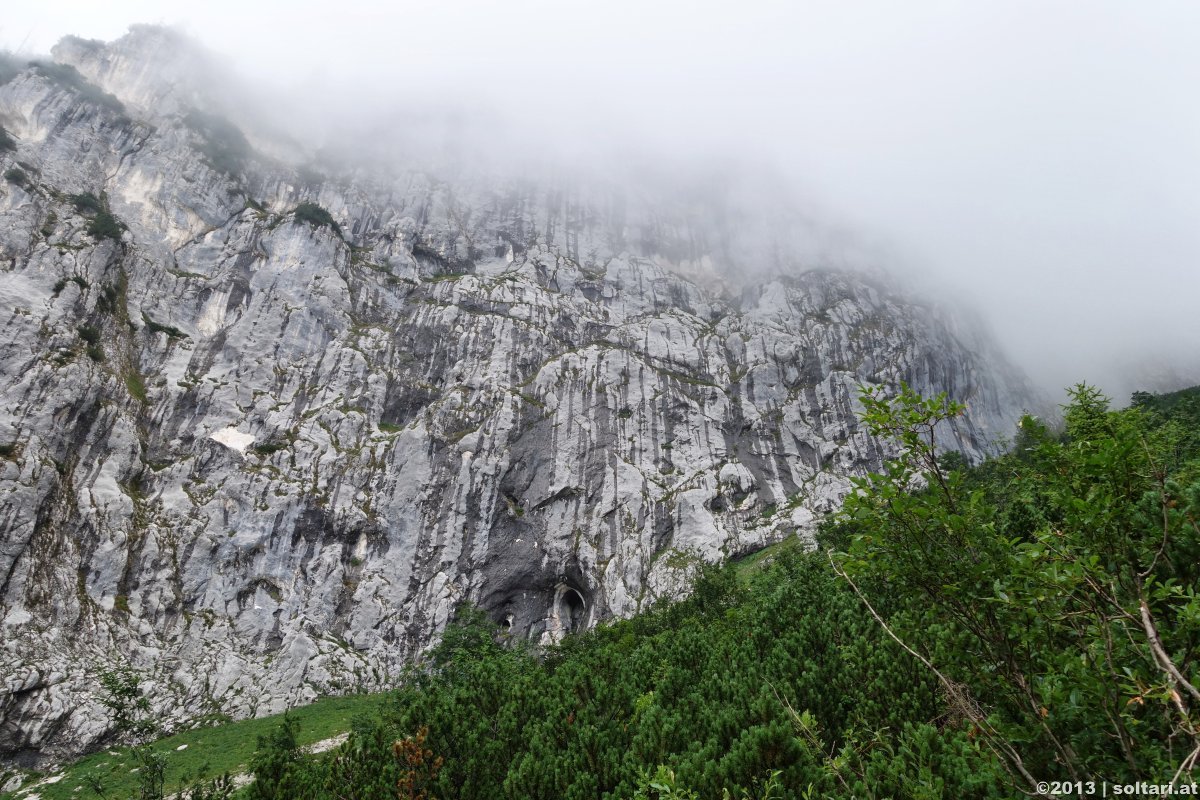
(572, 611)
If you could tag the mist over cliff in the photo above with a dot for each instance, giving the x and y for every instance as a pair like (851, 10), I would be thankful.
(271, 412)
(1036, 165)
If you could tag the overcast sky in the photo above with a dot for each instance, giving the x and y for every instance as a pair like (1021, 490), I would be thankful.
(1040, 158)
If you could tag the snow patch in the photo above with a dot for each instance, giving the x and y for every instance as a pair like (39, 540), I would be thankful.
(233, 439)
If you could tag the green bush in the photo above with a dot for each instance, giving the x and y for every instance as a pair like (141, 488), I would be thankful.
(102, 224)
(155, 327)
(91, 337)
(1052, 591)
(105, 226)
(17, 176)
(78, 280)
(47, 228)
(87, 203)
(271, 447)
(112, 298)
(317, 217)
(89, 333)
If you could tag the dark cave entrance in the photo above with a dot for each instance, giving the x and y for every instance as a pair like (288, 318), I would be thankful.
(572, 610)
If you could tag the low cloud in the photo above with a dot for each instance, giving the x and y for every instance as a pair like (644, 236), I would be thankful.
(1037, 164)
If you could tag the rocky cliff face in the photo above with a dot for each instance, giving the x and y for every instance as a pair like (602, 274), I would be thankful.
(261, 453)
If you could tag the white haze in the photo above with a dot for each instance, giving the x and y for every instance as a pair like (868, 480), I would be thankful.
(1037, 162)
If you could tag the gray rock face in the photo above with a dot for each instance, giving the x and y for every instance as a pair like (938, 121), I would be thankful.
(261, 459)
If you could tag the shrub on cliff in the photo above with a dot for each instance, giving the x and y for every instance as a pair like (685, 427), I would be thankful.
(101, 223)
(317, 217)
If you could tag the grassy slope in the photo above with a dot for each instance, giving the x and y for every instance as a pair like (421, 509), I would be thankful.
(209, 751)
(752, 564)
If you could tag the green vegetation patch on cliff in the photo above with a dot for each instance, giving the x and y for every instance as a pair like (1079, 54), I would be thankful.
(317, 217)
(101, 222)
(157, 327)
(17, 176)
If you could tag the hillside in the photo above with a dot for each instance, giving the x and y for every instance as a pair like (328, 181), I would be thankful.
(267, 423)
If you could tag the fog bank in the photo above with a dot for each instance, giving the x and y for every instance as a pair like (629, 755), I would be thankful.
(1038, 163)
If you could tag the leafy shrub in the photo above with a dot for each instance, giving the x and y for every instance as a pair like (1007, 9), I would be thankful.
(91, 336)
(277, 763)
(112, 298)
(102, 225)
(317, 217)
(270, 447)
(87, 203)
(78, 280)
(1046, 589)
(17, 176)
(89, 333)
(155, 327)
(105, 226)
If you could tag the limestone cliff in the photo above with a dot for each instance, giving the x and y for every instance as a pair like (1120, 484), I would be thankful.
(263, 431)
